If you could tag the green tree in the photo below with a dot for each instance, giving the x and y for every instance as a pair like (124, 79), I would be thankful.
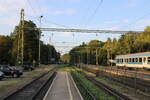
(31, 41)
(5, 50)
(65, 58)
(142, 42)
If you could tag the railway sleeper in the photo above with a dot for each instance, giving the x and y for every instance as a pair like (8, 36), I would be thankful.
(109, 90)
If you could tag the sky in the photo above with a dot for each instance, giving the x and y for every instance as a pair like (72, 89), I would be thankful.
(84, 14)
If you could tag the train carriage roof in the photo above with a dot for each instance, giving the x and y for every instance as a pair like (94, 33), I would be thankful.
(134, 55)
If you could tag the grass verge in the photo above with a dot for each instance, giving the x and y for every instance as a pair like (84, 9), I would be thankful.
(89, 86)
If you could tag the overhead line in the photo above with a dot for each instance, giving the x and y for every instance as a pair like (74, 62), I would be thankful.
(55, 23)
(138, 19)
(95, 11)
(38, 5)
(34, 11)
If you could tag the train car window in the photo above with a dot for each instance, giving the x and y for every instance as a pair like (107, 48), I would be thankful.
(148, 59)
(127, 60)
(144, 59)
(118, 60)
(140, 59)
(130, 60)
(122, 60)
(136, 59)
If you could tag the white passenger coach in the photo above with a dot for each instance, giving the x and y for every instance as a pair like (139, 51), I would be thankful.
(136, 60)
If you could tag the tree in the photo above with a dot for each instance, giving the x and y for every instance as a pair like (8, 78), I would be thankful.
(130, 42)
(31, 41)
(49, 54)
(142, 43)
(65, 58)
(5, 50)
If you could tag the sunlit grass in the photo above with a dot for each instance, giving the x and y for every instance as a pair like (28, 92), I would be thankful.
(98, 93)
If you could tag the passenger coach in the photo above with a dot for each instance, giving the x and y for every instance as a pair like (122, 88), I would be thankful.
(136, 60)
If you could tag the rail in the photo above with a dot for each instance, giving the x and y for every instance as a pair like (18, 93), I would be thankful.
(30, 91)
(109, 90)
(84, 91)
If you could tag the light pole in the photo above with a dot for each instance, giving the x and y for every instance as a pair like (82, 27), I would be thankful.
(39, 41)
(22, 36)
(97, 56)
(87, 56)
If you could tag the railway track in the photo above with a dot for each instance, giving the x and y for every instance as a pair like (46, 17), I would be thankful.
(84, 91)
(109, 90)
(32, 90)
(132, 82)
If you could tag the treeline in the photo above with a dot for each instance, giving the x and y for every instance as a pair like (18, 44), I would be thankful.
(11, 47)
(130, 42)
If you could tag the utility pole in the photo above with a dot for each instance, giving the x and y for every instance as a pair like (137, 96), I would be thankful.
(39, 42)
(22, 33)
(97, 56)
(18, 47)
(87, 56)
(18, 44)
(108, 56)
(79, 60)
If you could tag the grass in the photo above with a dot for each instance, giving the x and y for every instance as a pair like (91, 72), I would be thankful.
(121, 88)
(97, 93)
(9, 85)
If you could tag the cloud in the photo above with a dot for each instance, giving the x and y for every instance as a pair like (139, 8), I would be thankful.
(67, 34)
(115, 24)
(125, 21)
(11, 5)
(111, 28)
(63, 12)
(142, 24)
(110, 22)
(10, 11)
(132, 3)
(114, 28)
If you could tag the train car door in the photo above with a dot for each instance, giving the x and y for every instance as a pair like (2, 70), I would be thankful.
(144, 61)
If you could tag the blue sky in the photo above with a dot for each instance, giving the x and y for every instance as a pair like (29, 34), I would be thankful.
(112, 14)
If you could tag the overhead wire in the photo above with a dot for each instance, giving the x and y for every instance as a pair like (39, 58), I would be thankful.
(95, 11)
(38, 4)
(55, 23)
(64, 26)
(35, 13)
(138, 19)
(87, 11)
(29, 3)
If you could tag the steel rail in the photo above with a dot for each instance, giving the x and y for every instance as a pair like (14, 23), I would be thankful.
(31, 88)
